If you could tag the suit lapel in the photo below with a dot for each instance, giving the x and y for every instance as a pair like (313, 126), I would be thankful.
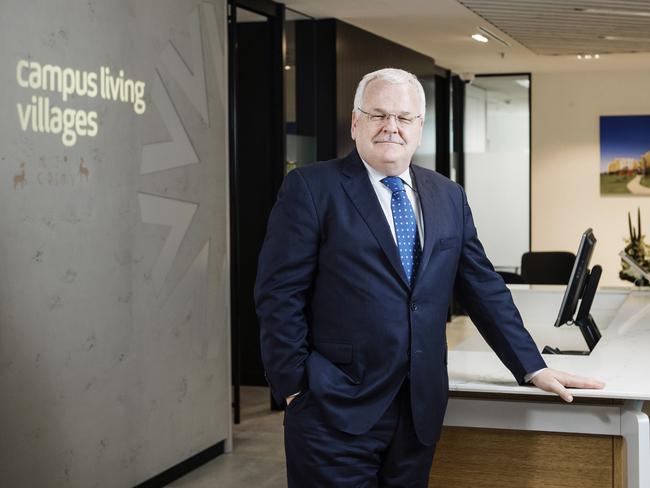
(357, 186)
(430, 204)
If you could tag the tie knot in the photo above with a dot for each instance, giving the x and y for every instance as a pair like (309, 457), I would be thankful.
(394, 183)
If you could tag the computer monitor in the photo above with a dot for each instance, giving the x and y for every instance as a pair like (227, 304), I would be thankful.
(582, 287)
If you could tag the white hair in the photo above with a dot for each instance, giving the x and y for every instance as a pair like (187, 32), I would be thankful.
(391, 75)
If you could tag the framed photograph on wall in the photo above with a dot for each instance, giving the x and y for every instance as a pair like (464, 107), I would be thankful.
(625, 155)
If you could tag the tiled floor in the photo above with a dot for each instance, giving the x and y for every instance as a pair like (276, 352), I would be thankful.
(257, 460)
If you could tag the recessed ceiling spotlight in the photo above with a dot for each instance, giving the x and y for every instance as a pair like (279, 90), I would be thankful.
(579, 56)
(587, 56)
(287, 67)
(597, 56)
(479, 38)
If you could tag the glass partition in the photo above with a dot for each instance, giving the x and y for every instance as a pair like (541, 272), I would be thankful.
(299, 90)
(425, 155)
(497, 165)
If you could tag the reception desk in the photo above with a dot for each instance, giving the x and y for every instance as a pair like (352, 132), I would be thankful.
(484, 395)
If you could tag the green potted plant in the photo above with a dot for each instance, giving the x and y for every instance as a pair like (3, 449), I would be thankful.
(637, 249)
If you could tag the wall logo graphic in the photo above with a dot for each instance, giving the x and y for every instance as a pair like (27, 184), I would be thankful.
(63, 174)
(178, 215)
(19, 179)
(41, 115)
(84, 172)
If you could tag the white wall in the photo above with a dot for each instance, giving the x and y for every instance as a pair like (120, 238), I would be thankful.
(565, 162)
(475, 119)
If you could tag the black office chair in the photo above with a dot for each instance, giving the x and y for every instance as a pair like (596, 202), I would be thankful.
(511, 278)
(547, 267)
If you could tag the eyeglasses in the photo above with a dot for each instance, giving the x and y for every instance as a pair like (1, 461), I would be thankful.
(401, 120)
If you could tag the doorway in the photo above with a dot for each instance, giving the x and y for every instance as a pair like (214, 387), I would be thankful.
(257, 155)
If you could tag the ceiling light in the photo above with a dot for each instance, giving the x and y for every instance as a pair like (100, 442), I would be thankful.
(287, 67)
(625, 38)
(588, 56)
(479, 38)
(608, 11)
(493, 36)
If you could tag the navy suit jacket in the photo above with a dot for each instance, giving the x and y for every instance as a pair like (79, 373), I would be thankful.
(337, 314)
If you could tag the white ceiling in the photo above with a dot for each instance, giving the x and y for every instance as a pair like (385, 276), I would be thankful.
(442, 30)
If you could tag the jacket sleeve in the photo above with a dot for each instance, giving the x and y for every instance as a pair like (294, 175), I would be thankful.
(286, 270)
(489, 304)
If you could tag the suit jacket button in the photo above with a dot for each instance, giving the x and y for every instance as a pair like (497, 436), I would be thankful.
(414, 307)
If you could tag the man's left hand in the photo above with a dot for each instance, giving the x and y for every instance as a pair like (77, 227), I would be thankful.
(555, 381)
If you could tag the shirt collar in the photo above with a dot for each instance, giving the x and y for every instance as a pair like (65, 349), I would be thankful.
(376, 176)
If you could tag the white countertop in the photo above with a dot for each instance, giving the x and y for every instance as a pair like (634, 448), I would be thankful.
(621, 359)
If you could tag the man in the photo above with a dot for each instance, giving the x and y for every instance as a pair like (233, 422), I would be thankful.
(354, 282)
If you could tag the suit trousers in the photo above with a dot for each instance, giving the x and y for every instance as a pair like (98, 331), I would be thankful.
(388, 455)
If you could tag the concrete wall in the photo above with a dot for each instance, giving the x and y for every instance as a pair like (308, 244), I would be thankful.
(565, 162)
(114, 292)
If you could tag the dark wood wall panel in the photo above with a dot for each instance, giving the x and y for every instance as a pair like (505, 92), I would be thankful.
(325, 106)
(443, 147)
(359, 52)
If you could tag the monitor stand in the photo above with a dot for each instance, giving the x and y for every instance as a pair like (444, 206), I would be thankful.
(584, 320)
(557, 350)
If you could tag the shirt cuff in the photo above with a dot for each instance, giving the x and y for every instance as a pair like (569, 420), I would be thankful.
(293, 395)
(530, 376)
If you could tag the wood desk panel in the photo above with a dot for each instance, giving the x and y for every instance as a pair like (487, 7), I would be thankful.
(493, 458)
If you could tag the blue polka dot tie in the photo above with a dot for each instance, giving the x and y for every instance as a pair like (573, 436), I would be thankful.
(406, 229)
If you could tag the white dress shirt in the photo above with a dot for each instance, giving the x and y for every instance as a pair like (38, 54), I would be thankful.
(384, 194)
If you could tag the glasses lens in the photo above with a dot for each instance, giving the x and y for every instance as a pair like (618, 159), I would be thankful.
(401, 120)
